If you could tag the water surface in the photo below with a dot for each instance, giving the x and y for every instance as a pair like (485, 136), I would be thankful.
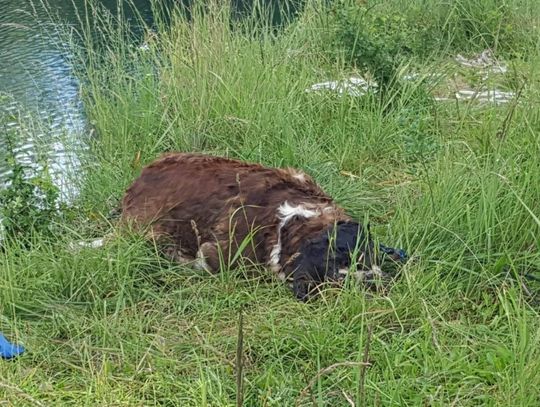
(41, 114)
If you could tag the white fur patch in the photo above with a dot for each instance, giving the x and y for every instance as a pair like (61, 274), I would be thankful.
(286, 212)
(300, 176)
(361, 275)
(376, 270)
(275, 255)
(285, 278)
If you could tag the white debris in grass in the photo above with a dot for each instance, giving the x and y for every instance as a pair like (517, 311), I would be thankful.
(485, 62)
(353, 86)
(490, 96)
(93, 244)
(415, 76)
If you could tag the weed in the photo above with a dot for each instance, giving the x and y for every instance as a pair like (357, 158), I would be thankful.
(29, 201)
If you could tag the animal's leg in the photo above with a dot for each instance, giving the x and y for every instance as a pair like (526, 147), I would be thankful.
(175, 253)
(208, 257)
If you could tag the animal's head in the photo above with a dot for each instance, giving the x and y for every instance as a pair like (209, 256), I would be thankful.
(344, 248)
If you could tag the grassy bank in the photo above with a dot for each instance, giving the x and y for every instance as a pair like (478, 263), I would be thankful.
(453, 182)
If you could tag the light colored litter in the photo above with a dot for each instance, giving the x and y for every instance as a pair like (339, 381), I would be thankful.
(418, 76)
(353, 86)
(485, 62)
(442, 99)
(93, 244)
(144, 47)
(358, 86)
(487, 96)
(491, 96)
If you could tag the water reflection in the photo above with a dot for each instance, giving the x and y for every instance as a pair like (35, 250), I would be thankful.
(40, 108)
(39, 95)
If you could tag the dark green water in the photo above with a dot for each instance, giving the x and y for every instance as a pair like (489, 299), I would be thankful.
(41, 115)
(39, 95)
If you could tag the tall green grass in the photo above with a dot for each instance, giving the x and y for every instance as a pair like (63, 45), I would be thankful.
(456, 184)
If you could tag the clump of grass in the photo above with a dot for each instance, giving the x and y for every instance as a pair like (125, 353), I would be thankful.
(119, 325)
(30, 202)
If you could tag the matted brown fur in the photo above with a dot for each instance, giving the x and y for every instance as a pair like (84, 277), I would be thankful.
(196, 204)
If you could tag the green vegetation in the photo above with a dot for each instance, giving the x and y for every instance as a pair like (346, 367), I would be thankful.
(30, 204)
(454, 183)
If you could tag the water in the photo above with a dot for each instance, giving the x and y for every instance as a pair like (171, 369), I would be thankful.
(41, 113)
(39, 95)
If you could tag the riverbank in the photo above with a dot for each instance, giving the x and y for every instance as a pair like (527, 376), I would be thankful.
(453, 181)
